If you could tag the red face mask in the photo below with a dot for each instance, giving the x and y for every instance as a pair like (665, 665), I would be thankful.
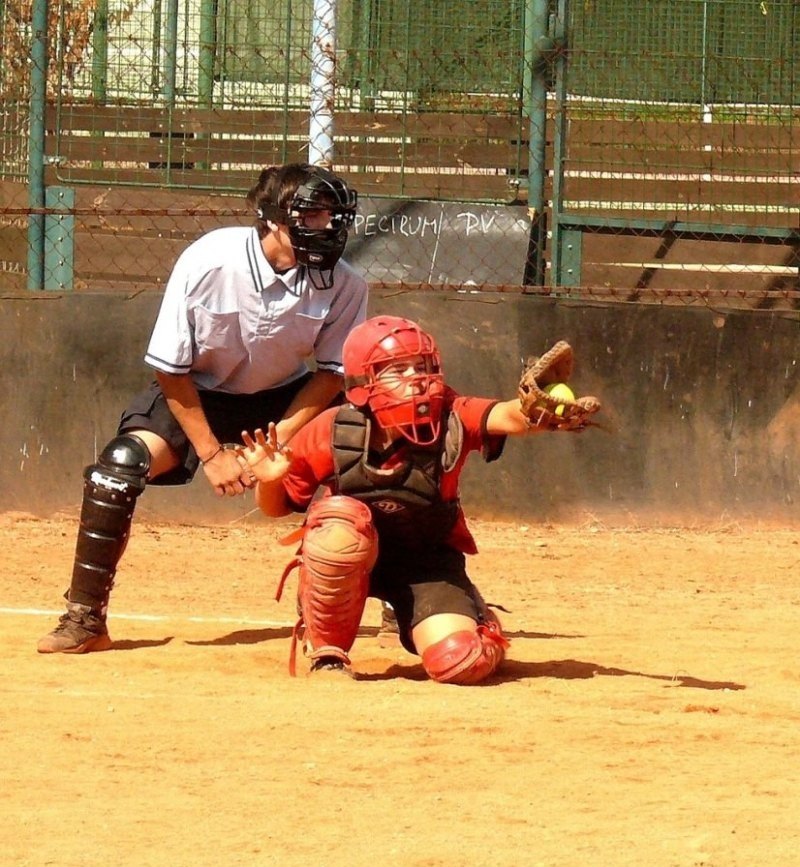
(412, 397)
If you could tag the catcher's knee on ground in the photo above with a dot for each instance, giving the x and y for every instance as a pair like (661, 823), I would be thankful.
(466, 656)
(338, 552)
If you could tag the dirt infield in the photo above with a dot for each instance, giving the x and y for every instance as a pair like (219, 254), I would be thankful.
(648, 714)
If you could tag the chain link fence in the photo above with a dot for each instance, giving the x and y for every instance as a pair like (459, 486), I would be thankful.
(601, 148)
(678, 148)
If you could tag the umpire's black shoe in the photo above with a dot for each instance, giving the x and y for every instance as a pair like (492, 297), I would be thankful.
(80, 630)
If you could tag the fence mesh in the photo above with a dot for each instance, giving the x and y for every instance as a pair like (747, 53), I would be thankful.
(679, 150)
(693, 52)
(645, 150)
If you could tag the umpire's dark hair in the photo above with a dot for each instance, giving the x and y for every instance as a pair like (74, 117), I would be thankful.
(275, 187)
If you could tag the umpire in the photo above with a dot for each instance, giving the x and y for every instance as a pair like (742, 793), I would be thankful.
(242, 310)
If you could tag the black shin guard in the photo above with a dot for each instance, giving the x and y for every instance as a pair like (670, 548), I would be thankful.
(111, 487)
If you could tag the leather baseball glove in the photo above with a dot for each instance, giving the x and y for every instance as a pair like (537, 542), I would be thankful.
(555, 366)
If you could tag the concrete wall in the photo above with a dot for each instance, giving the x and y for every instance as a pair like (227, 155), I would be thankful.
(703, 406)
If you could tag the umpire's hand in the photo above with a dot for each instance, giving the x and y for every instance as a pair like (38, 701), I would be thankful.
(228, 475)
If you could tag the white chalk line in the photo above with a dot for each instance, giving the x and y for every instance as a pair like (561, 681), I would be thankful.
(154, 618)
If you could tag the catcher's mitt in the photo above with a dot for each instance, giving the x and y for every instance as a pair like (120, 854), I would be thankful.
(538, 406)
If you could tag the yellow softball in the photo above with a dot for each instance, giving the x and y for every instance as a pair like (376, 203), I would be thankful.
(560, 391)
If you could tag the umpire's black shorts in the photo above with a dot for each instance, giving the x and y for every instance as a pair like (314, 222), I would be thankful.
(227, 414)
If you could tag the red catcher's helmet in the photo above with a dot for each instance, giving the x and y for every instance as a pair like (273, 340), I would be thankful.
(415, 410)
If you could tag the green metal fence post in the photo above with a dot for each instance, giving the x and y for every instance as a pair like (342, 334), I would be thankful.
(170, 76)
(535, 104)
(570, 257)
(155, 48)
(36, 197)
(59, 240)
(100, 52)
(366, 77)
(557, 278)
(208, 50)
(99, 62)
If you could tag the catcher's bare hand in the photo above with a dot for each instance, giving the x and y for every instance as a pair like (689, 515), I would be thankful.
(267, 459)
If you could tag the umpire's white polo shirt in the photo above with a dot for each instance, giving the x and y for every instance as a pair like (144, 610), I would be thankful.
(236, 326)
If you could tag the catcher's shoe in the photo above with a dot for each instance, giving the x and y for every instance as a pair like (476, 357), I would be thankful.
(80, 630)
(328, 664)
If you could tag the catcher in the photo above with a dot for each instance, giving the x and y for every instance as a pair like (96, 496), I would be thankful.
(379, 478)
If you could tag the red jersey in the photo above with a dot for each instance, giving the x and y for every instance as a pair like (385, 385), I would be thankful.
(313, 461)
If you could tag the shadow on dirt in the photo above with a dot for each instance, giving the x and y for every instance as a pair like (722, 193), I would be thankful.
(246, 636)
(573, 669)
(406, 672)
(140, 644)
(561, 669)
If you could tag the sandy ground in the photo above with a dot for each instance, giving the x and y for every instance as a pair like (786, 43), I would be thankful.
(647, 715)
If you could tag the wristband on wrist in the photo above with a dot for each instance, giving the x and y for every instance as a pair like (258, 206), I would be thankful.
(212, 455)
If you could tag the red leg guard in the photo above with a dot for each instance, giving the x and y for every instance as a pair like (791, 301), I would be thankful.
(339, 549)
(466, 657)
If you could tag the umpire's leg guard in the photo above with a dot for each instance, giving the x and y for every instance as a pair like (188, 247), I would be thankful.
(339, 549)
(111, 488)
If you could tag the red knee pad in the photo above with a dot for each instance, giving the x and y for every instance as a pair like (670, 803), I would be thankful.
(338, 552)
(466, 657)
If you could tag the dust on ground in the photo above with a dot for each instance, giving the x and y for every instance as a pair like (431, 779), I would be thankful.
(647, 714)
